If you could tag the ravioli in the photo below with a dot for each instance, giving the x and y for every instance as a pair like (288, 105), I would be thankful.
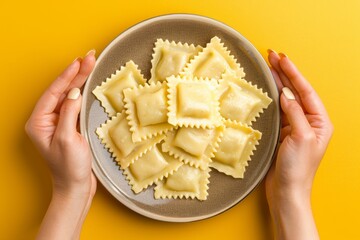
(194, 114)
(194, 146)
(193, 102)
(153, 166)
(146, 107)
(212, 62)
(170, 58)
(240, 100)
(110, 92)
(235, 149)
(116, 136)
(186, 182)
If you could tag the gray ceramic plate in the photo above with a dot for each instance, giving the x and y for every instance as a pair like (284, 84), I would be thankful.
(137, 44)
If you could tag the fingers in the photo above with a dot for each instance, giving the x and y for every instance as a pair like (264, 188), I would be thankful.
(74, 76)
(295, 119)
(87, 65)
(294, 113)
(274, 60)
(310, 100)
(277, 79)
(70, 107)
(50, 98)
(69, 112)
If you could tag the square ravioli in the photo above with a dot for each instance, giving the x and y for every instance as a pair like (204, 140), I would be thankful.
(153, 166)
(110, 92)
(240, 100)
(192, 116)
(212, 62)
(170, 58)
(146, 107)
(235, 149)
(194, 146)
(193, 102)
(186, 182)
(116, 136)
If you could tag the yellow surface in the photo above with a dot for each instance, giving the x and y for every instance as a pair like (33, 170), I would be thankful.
(39, 38)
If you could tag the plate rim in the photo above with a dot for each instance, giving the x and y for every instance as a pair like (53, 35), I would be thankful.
(103, 176)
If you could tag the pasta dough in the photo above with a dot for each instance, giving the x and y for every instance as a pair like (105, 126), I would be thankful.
(194, 114)
(212, 62)
(240, 100)
(146, 107)
(110, 93)
(151, 167)
(193, 102)
(194, 146)
(186, 182)
(116, 136)
(170, 58)
(235, 148)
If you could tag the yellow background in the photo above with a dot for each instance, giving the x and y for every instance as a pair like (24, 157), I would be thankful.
(39, 38)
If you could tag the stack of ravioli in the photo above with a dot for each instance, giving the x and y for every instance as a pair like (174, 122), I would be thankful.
(193, 115)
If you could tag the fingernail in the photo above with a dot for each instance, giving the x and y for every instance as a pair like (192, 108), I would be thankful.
(91, 52)
(283, 55)
(73, 94)
(271, 51)
(78, 59)
(288, 93)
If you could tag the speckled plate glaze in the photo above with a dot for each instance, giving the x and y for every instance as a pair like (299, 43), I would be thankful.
(136, 43)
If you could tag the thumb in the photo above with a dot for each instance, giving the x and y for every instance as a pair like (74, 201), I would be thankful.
(69, 113)
(294, 112)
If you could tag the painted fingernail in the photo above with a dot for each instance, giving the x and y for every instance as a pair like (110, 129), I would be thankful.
(288, 93)
(271, 51)
(73, 94)
(91, 52)
(283, 55)
(78, 59)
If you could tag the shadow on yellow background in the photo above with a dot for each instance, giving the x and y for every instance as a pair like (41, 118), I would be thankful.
(39, 38)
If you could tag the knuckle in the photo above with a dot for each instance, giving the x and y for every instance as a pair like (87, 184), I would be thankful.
(307, 136)
(63, 140)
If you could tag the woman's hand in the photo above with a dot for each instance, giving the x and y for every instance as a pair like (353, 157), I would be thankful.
(305, 133)
(53, 127)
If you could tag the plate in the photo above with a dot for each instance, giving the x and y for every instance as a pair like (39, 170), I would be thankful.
(136, 43)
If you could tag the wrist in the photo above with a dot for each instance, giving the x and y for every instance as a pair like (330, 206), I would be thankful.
(76, 202)
(279, 193)
(70, 195)
(290, 203)
(282, 202)
(73, 191)
(65, 215)
(292, 216)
